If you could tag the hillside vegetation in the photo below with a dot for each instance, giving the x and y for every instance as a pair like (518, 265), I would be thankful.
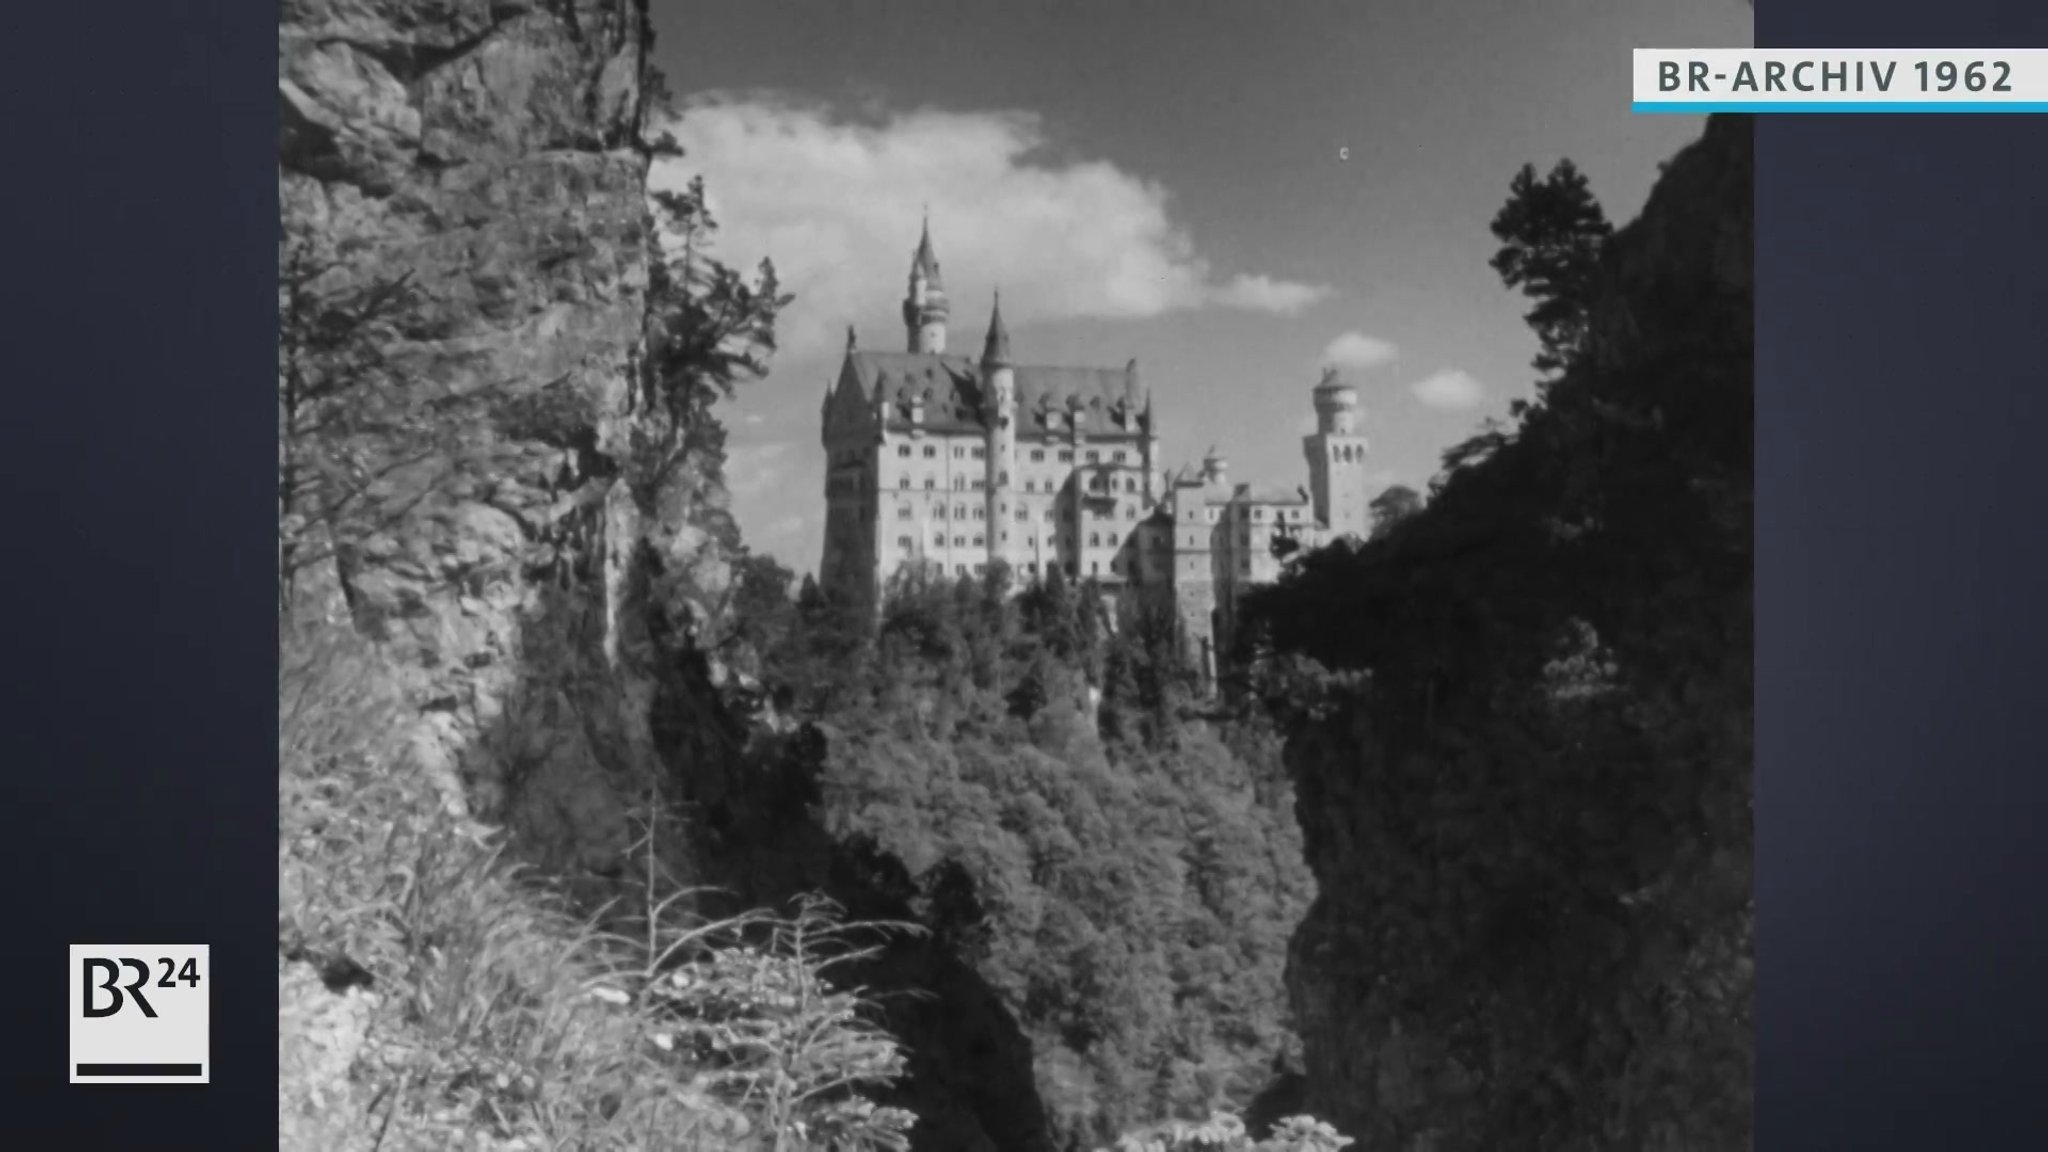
(1026, 778)
(1520, 720)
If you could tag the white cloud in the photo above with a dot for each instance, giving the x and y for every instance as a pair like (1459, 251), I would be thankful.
(1358, 351)
(835, 204)
(1449, 390)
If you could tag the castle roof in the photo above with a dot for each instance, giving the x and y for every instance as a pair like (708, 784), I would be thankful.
(997, 350)
(951, 389)
(926, 260)
(1268, 494)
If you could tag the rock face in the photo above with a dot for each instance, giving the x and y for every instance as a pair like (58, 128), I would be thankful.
(491, 149)
(1442, 1009)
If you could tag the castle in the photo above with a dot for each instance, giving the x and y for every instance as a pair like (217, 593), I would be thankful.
(952, 463)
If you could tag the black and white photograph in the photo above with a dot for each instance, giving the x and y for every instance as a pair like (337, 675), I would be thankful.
(1012, 577)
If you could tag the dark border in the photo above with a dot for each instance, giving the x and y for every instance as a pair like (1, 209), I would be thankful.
(1902, 565)
(139, 316)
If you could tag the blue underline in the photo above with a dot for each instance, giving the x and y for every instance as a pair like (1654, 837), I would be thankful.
(1958, 106)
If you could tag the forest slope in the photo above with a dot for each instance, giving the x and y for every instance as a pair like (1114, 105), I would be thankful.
(1520, 727)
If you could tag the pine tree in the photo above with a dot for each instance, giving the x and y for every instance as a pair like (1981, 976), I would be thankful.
(1553, 232)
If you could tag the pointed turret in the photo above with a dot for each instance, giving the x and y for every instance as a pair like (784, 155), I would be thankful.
(924, 306)
(926, 261)
(996, 351)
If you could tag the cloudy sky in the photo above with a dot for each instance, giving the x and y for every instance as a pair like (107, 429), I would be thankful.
(1235, 193)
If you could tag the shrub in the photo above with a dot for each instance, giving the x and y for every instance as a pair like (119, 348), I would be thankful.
(499, 1016)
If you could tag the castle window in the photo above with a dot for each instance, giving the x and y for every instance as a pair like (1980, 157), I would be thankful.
(980, 568)
(1094, 539)
(931, 451)
(959, 483)
(1131, 484)
(980, 454)
(959, 453)
(1031, 485)
(903, 512)
(1003, 478)
(903, 481)
(1051, 515)
(903, 541)
(903, 450)
(1258, 513)
(1130, 511)
(939, 541)
(979, 485)
(959, 569)
(1094, 568)
(1094, 456)
(1117, 456)
(1031, 567)
(977, 542)
(1023, 515)
(930, 483)
(977, 514)
(1037, 456)
(959, 541)
(1066, 456)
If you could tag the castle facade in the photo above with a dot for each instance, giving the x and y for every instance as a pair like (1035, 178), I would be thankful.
(950, 463)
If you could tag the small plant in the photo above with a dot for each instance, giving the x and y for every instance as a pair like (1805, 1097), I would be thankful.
(496, 1013)
(1224, 1132)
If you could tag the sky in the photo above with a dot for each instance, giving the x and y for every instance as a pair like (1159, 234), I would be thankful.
(1233, 193)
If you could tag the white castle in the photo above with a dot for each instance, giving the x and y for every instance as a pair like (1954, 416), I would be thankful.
(949, 464)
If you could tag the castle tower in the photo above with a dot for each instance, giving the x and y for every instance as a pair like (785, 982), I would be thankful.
(924, 306)
(1336, 460)
(999, 385)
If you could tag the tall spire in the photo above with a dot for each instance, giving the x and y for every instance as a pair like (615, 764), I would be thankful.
(997, 349)
(926, 261)
(924, 306)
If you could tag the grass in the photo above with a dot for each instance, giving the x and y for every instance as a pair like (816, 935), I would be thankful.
(496, 1015)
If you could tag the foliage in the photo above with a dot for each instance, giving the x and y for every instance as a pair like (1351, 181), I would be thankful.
(1552, 231)
(1224, 1132)
(1123, 872)
(709, 329)
(1530, 759)
(1392, 506)
(499, 1013)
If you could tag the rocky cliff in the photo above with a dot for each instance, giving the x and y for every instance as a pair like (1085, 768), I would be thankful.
(488, 155)
(490, 152)
(1528, 809)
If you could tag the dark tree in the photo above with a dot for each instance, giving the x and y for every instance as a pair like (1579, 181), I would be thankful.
(1552, 232)
(1393, 506)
